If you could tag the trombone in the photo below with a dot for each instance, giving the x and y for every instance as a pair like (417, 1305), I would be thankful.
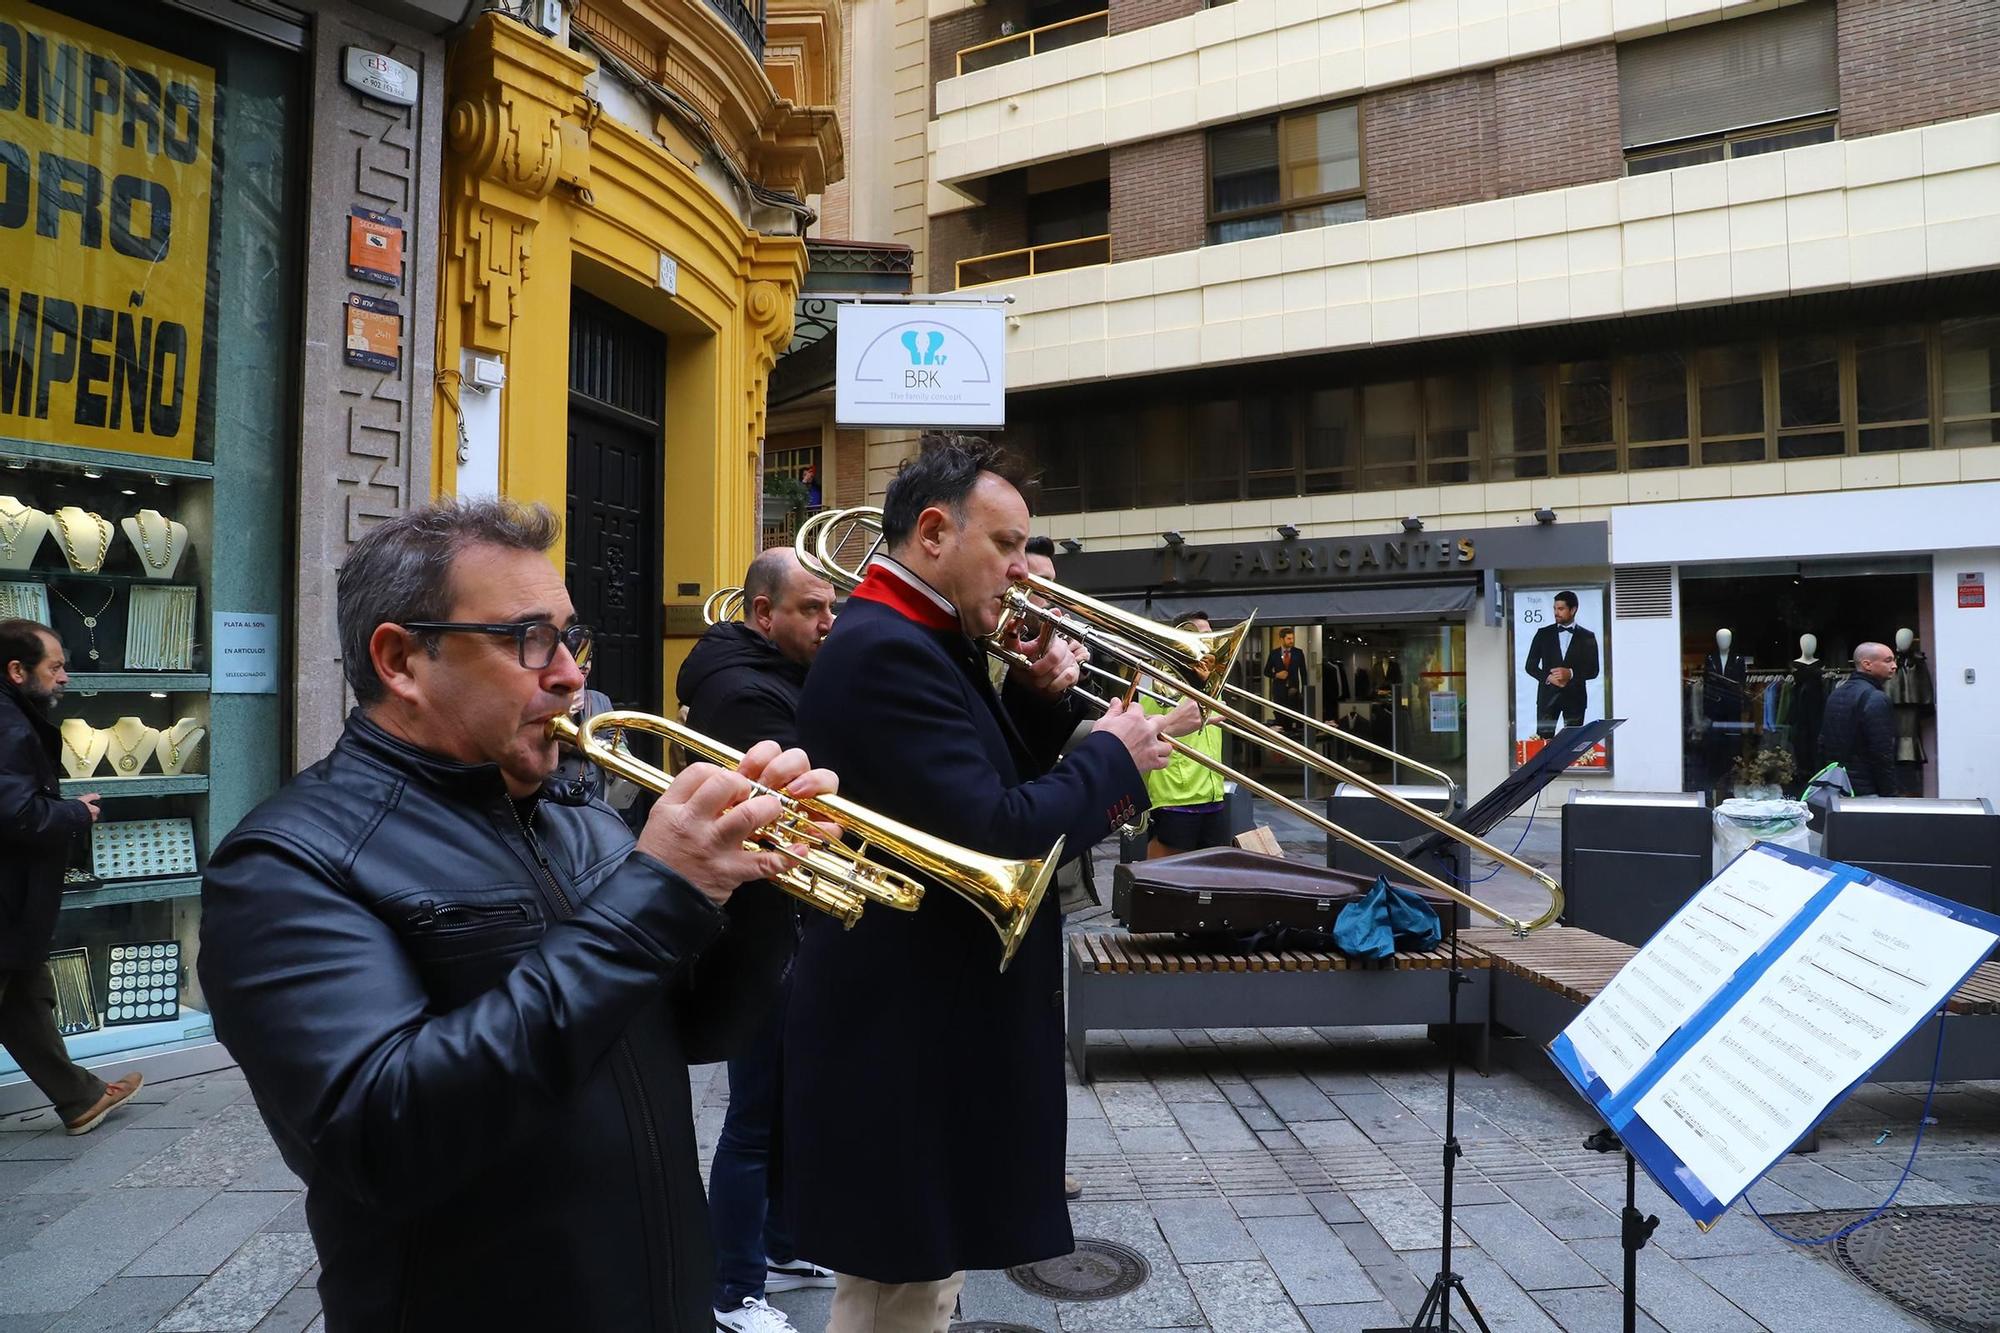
(825, 872)
(1190, 664)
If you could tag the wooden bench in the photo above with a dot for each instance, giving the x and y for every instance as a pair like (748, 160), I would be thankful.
(1122, 981)
(1541, 983)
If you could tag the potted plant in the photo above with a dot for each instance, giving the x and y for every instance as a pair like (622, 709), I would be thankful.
(783, 497)
(1764, 773)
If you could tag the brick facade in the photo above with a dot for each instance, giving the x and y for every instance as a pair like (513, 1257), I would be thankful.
(1126, 15)
(1429, 145)
(1556, 121)
(850, 468)
(1914, 62)
(1000, 225)
(1158, 196)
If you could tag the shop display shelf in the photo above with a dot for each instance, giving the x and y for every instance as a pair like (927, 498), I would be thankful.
(159, 784)
(110, 893)
(104, 459)
(138, 682)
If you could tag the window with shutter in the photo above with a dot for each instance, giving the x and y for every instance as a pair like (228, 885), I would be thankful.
(1730, 89)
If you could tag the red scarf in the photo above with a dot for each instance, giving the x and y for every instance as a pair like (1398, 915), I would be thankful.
(885, 585)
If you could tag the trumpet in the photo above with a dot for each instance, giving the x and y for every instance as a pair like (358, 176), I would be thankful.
(1190, 665)
(825, 872)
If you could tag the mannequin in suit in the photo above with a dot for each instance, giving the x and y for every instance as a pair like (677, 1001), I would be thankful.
(1561, 658)
(1724, 690)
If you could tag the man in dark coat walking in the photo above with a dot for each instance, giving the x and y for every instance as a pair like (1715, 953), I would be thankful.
(36, 828)
(1561, 658)
(924, 1103)
(1859, 729)
(741, 685)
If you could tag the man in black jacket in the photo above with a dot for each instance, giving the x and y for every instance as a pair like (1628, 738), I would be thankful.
(924, 1104)
(1561, 658)
(36, 828)
(1859, 729)
(467, 1012)
(741, 685)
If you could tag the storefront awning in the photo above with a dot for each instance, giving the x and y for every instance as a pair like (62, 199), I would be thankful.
(1378, 602)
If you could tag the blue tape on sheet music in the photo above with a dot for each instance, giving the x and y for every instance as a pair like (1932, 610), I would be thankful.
(1660, 1161)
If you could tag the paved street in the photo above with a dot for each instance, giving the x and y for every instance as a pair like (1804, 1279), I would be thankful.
(1282, 1179)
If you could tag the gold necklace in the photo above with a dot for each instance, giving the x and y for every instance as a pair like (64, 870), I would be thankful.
(11, 533)
(69, 542)
(166, 559)
(174, 738)
(89, 621)
(70, 745)
(127, 761)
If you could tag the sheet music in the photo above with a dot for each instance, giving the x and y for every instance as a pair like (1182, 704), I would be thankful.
(1691, 959)
(1873, 964)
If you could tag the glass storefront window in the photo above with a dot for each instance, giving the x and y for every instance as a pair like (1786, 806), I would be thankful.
(132, 567)
(1970, 352)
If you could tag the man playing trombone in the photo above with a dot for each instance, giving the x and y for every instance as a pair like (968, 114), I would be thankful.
(466, 1012)
(924, 1102)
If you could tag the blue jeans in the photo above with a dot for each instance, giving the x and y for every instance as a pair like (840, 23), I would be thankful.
(745, 1212)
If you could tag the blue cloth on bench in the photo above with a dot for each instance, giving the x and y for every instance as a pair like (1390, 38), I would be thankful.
(1389, 919)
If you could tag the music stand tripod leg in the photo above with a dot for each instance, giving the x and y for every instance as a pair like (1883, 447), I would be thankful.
(1634, 1228)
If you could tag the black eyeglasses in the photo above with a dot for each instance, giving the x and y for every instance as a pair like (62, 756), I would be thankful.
(536, 639)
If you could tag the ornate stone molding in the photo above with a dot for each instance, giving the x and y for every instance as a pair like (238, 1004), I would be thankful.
(767, 318)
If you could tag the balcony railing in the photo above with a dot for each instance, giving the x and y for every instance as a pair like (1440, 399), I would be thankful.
(1004, 265)
(747, 18)
(1020, 45)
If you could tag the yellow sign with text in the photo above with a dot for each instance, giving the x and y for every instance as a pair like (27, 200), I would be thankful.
(107, 168)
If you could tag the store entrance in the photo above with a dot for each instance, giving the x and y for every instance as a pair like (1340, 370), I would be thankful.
(617, 378)
(1400, 684)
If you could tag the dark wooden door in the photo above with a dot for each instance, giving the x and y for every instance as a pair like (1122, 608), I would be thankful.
(617, 391)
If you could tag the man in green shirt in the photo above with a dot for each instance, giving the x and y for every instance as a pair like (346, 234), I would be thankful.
(1189, 811)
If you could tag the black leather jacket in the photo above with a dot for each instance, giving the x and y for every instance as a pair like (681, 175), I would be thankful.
(467, 1021)
(37, 827)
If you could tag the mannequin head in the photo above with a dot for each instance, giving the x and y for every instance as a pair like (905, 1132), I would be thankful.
(1904, 638)
(1723, 638)
(1808, 646)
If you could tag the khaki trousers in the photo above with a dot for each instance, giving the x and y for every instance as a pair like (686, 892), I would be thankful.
(28, 1031)
(861, 1306)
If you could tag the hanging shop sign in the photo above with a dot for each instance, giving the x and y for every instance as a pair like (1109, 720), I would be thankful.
(106, 172)
(911, 365)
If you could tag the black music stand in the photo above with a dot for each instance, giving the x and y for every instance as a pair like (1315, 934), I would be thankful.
(1635, 1228)
(1515, 790)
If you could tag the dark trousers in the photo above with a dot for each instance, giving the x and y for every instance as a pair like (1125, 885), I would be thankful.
(28, 1031)
(745, 1212)
(1559, 714)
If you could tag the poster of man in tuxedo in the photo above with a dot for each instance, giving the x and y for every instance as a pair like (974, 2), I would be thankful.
(1561, 683)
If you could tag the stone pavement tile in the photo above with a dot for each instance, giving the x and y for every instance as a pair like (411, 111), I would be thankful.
(246, 1288)
(264, 1175)
(51, 1144)
(1330, 1134)
(1467, 1190)
(809, 1309)
(1777, 1288)
(291, 1314)
(1310, 1261)
(1737, 1233)
(194, 1100)
(23, 1216)
(994, 1298)
(1505, 1306)
(1091, 1137)
(1821, 1187)
(1238, 1092)
(1565, 1210)
(1384, 1119)
(125, 1303)
(1334, 1209)
(1668, 1290)
(1204, 1231)
(108, 1160)
(1274, 1205)
(1083, 1103)
(1974, 1179)
(1195, 1087)
(200, 1245)
(1134, 1106)
(1523, 1247)
(1343, 1082)
(1405, 1217)
(18, 1175)
(1591, 1310)
(1295, 1097)
(1278, 1140)
(1162, 1301)
(1243, 1296)
(1152, 1140)
(1350, 1318)
(1772, 1197)
(215, 1152)
(1214, 1127)
(1261, 1118)
(1400, 1287)
(88, 1245)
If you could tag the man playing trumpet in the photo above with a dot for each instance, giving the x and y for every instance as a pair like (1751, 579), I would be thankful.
(467, 1012)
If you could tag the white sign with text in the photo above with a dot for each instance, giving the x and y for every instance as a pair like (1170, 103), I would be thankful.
(911, 365)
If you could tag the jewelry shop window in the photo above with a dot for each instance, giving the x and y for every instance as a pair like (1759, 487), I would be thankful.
(147, 410)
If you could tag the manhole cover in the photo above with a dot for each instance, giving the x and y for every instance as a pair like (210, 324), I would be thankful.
(1941, 1262)
(1096, 1271)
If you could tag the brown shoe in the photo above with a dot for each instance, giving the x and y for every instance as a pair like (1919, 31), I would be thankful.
(1072, 1187)
(114, 1095)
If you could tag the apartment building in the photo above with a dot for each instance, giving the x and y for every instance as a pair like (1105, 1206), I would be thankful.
(1387, 321)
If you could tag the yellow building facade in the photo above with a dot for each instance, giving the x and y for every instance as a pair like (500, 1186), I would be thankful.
(646, 163)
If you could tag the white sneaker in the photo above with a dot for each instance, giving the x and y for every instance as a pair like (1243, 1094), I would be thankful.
(755, 1316)
(795, 1276)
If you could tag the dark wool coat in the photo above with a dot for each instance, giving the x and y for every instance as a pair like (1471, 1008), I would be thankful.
(37, 827)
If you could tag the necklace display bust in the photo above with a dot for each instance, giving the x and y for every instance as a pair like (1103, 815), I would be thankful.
(22, 528)
(177, 745)
(159, 540)
(83, 747)
(129, 743)
(85, 538)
